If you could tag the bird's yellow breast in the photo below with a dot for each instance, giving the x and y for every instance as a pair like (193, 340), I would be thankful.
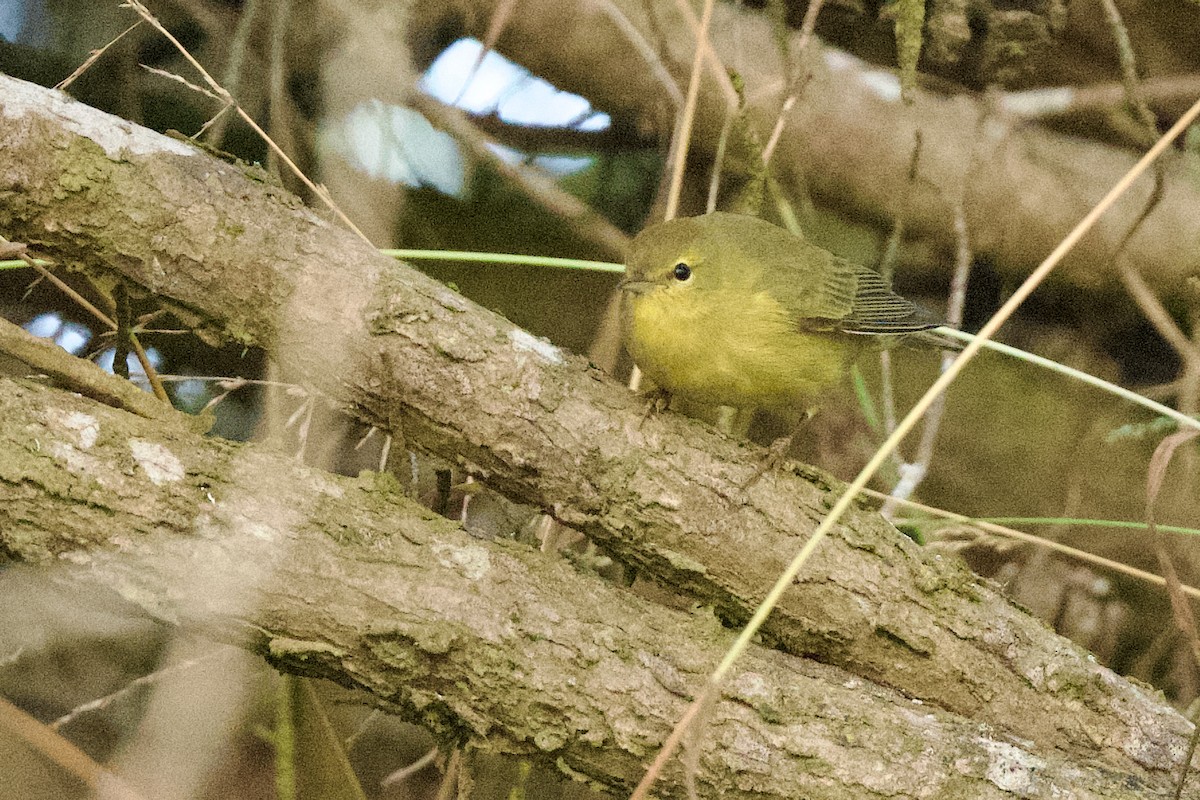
(742, 351)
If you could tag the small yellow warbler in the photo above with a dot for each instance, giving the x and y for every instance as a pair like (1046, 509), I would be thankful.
(732, 310)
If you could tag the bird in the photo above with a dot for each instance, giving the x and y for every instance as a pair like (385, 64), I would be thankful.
(728, 309)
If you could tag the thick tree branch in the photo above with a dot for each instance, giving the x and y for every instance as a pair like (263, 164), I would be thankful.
(494, 642)
(245, 260)
(45, 358)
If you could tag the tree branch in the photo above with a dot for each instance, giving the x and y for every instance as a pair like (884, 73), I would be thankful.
(489, 641)
(243, 259)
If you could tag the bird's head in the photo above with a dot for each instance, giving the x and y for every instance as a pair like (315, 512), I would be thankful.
(668, 257)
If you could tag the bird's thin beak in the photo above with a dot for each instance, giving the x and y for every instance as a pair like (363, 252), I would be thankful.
(635, 287)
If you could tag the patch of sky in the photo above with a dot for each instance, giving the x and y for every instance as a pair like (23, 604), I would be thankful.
(555, 165)
(510, 91)
(70, 336)
(532, 101)
(73, 337)
(597, 121)
(12, 19)
(399, 145)
(191, 393)
(450, 71)
(44, 326)
(136, 373)
(25, 22)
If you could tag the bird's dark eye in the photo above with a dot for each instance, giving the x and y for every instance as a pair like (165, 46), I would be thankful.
(682, 272)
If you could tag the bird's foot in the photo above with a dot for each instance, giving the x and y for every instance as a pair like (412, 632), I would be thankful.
(775, 457)
(660, 400)
(777, 453)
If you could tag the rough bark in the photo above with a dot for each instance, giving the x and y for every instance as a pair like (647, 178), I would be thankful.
(242, 259)
(487, 641)
(850, 140)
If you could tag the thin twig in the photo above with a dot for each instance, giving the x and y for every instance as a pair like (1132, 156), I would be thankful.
(1187, 760)
(171, 76)
(148, 369)
(237, 382)
(587, 223)
(714, 180)
(1137, 102)
(708, 54)
(101, 703)
(649, 55)
(1181, 609)
(1155, 312)
(42, 739)
(777, 130)
(1182, 419)
(277, 102)
(1129, 76)
(1041, 541)
(404, 773)
(143, 358)
(496, 25)
(226, 97)
(79, 299)
(1137, 288)
(92, 58)
(807, 26)
(683, 131)
(887, 269)
(914, 472)
(795, 87)
(238, 47)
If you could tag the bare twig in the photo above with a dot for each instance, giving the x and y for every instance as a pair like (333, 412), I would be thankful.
(171, 76)
(586, 222)
(777, 130)
(278, 105)
(92, 58)
(1149, 304)
(709, 57)
(714, 181)
(497, 22)
(143, 358)
(101, 703)
(238, 46)
(683, 131)
(1181, 609)
(1187, 759)
(43, 739)
(1156, 313)
(887, 268)
(651, 58)
(404, 773)
(1185, 620)
(914, 472)
(227, 98)
(807, 26)
(79, 374)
